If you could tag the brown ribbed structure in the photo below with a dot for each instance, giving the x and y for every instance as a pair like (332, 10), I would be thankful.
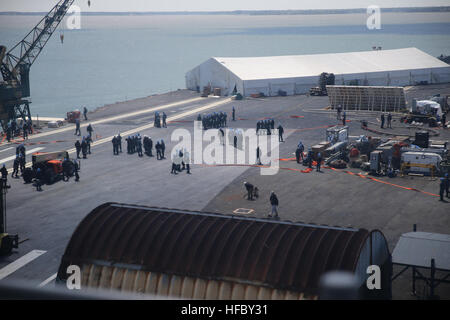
(280, 255)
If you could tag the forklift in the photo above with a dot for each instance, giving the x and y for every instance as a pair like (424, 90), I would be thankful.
(52, 165)
(7, 241)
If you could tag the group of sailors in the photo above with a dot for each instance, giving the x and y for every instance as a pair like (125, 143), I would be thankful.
(70, 168)
(388, 117)
(84, 147)
(158, 119)
(267, 124)
(309, 158)
(134, 144)
(13, 129)
(180, 161)
(139, 145)
(117, 144)
(19, 161)
(214, 120)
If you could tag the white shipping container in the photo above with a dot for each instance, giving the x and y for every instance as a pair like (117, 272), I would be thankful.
(421, 158)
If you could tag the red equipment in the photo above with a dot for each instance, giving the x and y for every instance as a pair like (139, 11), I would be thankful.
(73, 116)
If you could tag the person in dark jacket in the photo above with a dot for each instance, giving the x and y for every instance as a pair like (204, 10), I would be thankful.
(25, 131)
(78, 148)
(319, 161)
(39, 179)
(89, 130)
(8, 133)
(389, 120)
(298, 154)
(76, 169)
(84, 148)
(115, 146)
(4, 172)
(85, 111)
(258, 156)
(77, 127)
(280, 133)
(66, 169)
(382, 121)
(22, 162)
(119, 142)
(30, 127)
(88, 142)
(274, 204)
(139, 146)
(163, 148)
(21, 150)
(128, 140)
(164, 119)
(442, 187)
(16, 167)
(249, 188)
(158, 150)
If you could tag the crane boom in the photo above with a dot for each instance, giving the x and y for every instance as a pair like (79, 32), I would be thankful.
(27, 50)
(15, 65)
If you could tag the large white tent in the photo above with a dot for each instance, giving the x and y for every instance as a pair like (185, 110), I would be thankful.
(297, 74)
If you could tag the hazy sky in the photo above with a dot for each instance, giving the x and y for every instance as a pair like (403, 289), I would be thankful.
(209, 5)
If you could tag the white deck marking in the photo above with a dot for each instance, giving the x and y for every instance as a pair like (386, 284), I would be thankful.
(27, 152)
(114, 118)
(47, 281)
(19, 263)
(6, 149)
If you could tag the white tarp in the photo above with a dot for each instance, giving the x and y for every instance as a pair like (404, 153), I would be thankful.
(297, 74)
(428, 106)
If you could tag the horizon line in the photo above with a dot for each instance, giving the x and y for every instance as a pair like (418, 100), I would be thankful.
(246, 11)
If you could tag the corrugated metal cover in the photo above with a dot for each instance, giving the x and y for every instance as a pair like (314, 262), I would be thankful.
(276, 254)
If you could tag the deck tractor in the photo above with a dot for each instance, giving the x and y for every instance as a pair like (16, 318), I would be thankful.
(54, 166)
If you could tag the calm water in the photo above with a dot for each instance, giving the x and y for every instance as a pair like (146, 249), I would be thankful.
(114, 58)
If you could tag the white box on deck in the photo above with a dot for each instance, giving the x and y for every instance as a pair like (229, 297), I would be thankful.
(421, 158)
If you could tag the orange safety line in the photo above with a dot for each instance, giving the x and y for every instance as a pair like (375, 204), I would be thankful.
(384, 182)
(308, 170)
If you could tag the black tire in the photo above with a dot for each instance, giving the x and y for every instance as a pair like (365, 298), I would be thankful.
(28, 175)
(49, 176)
(6, 246)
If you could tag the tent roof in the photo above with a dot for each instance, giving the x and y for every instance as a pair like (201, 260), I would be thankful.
(275, 67)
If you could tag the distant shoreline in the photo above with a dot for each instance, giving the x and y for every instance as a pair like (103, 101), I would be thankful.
(249, 12)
